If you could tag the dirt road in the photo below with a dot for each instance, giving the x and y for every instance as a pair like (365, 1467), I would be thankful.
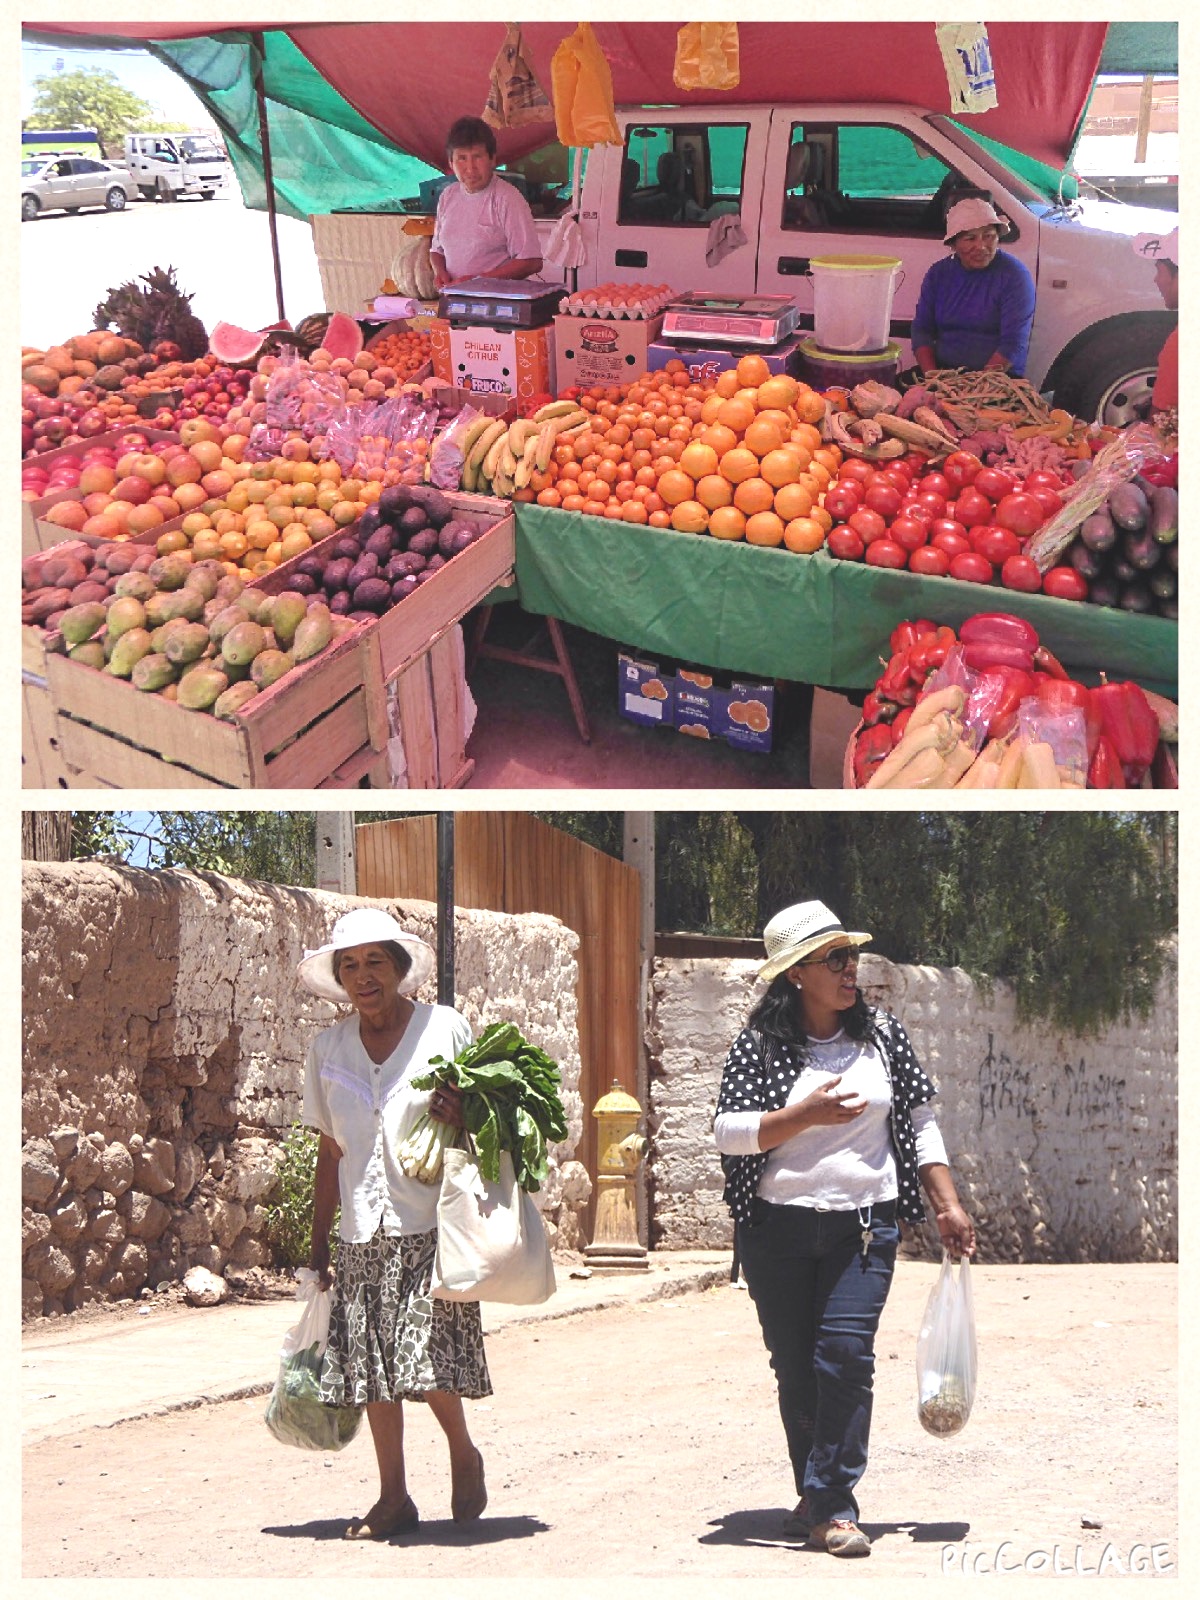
(644, 1441)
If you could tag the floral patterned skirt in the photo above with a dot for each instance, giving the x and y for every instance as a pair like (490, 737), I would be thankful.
(389, 1339)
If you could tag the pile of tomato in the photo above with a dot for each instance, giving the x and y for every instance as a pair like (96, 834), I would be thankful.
(963, 521)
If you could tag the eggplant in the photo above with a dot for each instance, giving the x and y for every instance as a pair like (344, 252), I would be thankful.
(1129, 508)
(1141, 550)
(1124, 571)
(1098, 531)
(1169, 609)
(1136, 597)
(1164, 514)
(1104, 591)
(1085, 561)
(1164, 585)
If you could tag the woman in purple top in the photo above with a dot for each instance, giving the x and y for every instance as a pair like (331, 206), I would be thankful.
(975, 308)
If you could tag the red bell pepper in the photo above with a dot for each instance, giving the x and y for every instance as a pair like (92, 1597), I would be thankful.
(876, 709)
(899, 723)
(983, 654)
(1104, 770)
(1064, 694)
(999, 627)
(897, 682)
(1009, 686)
(1130, 723)
(907, 633)
(872, 745)
(1045, 661)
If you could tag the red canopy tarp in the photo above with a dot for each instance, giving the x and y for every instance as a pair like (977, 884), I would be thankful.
(412, 79)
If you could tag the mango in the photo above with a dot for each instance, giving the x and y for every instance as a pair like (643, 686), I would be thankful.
(81, 623)
(91, 653)
(241, 644)
(313, 634)
(188, 642)
(201, 688)
(233, 699)
(136, 585)
(152, 672)
(169, 572)
(124, 614)
(287, 613)
(269, 666)
(128, 651)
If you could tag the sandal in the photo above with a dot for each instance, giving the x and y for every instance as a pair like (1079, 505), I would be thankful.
(468, 1495)
(404, 1520)
(840, 1536)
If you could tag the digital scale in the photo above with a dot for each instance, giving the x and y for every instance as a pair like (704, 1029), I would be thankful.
(752, 319)
(500, 302)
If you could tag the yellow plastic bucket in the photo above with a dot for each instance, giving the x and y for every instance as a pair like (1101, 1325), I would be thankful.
(852, 301)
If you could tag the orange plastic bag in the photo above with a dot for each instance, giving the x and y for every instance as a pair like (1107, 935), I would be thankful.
(583, 93)
(515, 97)
(706, 56)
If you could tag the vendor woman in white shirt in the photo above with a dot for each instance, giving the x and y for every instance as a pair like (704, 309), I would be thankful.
(827, 1136)
(484, 226)
(389, 1340)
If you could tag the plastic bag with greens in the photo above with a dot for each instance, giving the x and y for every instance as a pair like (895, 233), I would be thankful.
(295, 1413)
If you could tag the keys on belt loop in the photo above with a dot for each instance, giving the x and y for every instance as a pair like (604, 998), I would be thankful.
(864, 1223)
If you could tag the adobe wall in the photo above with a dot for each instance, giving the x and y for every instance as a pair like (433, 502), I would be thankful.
(165, 1037)
(1062, 1148)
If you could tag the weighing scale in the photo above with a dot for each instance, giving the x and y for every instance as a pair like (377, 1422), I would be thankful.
(500, 302)
(753, 319)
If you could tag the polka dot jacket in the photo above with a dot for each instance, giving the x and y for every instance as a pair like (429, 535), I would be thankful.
(758, 1076)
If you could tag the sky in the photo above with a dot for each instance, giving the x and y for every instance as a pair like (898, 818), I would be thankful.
(137, 70)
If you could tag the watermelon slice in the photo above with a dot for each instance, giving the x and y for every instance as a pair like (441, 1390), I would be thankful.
(343, 337)
(233, 345)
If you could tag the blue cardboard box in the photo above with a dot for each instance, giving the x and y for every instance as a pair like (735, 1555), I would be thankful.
(644, 694)
(705, 362)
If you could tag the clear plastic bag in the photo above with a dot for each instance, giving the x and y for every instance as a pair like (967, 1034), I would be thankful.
(946, 1357)
(977, 709)
(1066, 734)
(295, 1413)
(446, 458)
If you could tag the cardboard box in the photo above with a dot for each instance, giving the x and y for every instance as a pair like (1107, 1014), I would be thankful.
(643, 693)
(509, 361)
(745, 715)
(831, 726)
(704, 362)
(695, 703)
(608, 350)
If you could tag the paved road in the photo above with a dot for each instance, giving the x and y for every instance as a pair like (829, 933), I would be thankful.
(220, 251)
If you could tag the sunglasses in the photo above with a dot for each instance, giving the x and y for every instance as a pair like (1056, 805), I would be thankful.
(836, 960)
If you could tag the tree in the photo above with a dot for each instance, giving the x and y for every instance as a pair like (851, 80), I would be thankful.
(93, 97)
(45, 836)
(266, 846)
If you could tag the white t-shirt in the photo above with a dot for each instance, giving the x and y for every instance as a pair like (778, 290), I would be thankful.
(368, 1108)
(834, 1166)
(477, 232)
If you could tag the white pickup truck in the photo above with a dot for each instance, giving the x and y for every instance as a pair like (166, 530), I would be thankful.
(166, 165)
(827, 180)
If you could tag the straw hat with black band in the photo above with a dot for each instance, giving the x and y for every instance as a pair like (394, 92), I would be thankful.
(796, 931)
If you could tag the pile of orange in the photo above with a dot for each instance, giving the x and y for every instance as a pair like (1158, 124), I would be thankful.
(741, 459)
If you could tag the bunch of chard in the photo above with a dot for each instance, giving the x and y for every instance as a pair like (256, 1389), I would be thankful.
(510, 1102)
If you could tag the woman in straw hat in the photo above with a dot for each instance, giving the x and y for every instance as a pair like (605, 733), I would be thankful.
(975, 308)
(826, 1137)
(389, 1339)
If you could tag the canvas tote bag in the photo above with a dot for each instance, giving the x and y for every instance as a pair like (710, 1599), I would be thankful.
(491, 1243)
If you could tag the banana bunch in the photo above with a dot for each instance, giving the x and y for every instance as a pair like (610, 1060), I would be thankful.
(501, 457)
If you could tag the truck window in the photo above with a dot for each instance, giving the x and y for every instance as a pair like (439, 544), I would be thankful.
(865, 178)
(682, 175)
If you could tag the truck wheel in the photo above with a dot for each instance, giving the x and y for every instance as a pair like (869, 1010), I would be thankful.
(30, 206)
(146, 190)
(72, 211)
(1110, 379)
(206, 194)
(164, 190)
(114, 200)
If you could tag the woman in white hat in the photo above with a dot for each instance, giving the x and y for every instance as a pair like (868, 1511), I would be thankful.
(389, 1340)
(975, 308)
(826, 1138)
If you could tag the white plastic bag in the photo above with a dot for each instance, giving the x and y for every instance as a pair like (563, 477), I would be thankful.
(946, 1358)
(295, 1413)
(491, 1242)
(967, 56)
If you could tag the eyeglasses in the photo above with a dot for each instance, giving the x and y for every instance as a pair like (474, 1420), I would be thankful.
(836, 960)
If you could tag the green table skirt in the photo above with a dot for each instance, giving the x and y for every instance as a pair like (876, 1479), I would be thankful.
(811, 619)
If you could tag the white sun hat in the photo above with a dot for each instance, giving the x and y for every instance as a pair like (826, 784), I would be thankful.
(1158, 246)
(364, 925)
(797, 931)
(971, 213)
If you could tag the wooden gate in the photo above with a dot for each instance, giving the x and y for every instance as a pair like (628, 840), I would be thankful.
(510, 861)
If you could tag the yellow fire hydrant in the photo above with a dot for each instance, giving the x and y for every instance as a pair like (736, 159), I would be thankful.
(620, 1148)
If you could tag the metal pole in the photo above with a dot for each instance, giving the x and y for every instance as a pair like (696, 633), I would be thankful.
(445, 894)
(576, 181)
(1145, 112)
(264, 139)
(638, 852)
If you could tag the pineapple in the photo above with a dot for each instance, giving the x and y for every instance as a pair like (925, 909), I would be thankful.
(159, 314)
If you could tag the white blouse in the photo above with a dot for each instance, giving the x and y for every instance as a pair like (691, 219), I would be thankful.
(368, 1108)
(834, 1166)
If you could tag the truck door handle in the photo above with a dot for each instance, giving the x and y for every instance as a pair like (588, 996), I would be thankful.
(630, 258)
(792, 266)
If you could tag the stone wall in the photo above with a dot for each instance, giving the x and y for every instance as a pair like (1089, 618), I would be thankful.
(1062, 1148)
(165, 1037)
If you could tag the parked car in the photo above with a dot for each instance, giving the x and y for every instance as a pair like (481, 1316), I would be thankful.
(72, 182)
(819, 180)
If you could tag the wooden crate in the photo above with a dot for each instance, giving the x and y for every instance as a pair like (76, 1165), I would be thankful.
(324, 725)
(37, 534)
(42, 765)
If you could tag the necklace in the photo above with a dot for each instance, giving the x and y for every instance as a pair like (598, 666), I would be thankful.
(829, 1059)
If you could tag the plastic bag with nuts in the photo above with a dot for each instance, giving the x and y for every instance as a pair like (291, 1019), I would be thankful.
(946, 1359)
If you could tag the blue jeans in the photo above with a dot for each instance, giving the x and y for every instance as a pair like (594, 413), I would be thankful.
(819, 1300)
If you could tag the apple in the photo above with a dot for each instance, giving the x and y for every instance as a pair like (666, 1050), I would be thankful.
(68, 514)
(96, 476)
(183, 468)
(96, 502)
(134, 489)
(150, 467)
